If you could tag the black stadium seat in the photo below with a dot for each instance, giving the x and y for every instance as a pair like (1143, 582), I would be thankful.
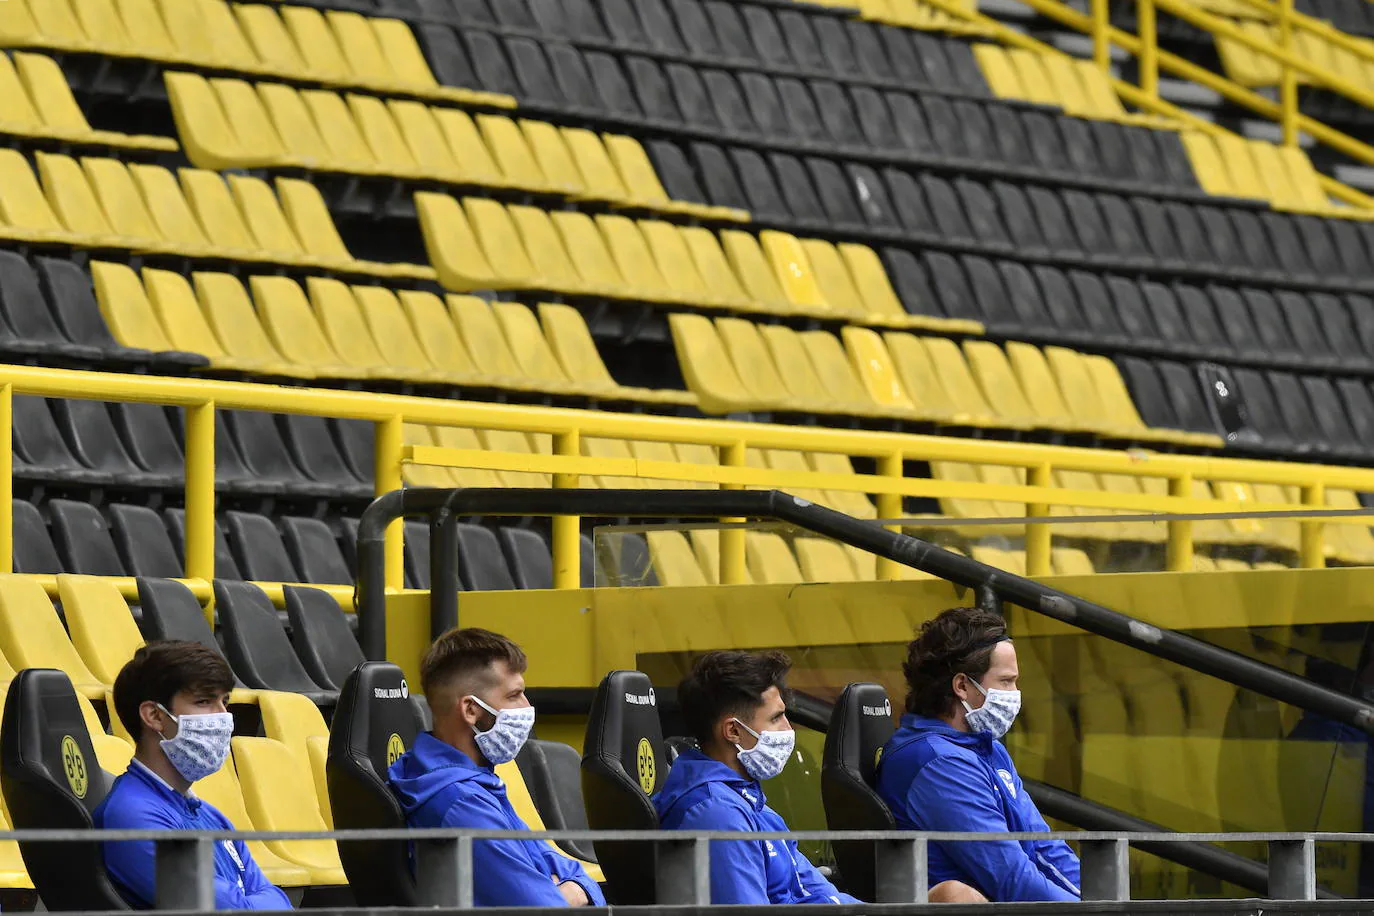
(417, 554)
(52, 781)
(528, 557)
(143, 542)
(375, 723)
(323, 639)
(314, 551)
(171, 611)
(83, 538)
(860, 723)
(256, 645)
(34, 551)
(226, 567)
(90, 433)
(622, 765)
(481, 566)
(259, 548)
(553, 773)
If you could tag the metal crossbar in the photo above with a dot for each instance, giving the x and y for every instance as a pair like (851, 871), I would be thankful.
(444, 875)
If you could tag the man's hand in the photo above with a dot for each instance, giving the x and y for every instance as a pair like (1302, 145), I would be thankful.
(574, 894)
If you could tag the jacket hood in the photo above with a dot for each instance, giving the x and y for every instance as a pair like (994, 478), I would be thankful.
(921, 726)
(693, 770)
(432, 766)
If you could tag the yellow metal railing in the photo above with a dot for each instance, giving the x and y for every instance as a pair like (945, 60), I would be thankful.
(1145, 46)
(201, 398)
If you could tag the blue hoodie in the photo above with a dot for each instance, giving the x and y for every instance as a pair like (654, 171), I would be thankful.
(702, 793)
(440, 786)
(938, 778)
(142, 800)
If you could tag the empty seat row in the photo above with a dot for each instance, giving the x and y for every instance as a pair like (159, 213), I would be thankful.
(36, 101)
(543, 70)
(106, 204)
(329, 330)
(1234, 243)
(299, 43)
(483, 244)
(1279, 328)
(124, 447)
(230, 124)
(735, 366)
(1231, 165)
(491, 560)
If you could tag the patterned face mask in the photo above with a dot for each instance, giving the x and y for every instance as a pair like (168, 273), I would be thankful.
(201, 744)
(766, 758)
(998, 711)
(500, 743)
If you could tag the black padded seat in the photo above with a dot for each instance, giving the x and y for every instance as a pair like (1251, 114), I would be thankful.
(860, 723)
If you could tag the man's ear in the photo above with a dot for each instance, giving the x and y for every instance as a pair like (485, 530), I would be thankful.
(152, 718)
(959, 686)
(729, 731)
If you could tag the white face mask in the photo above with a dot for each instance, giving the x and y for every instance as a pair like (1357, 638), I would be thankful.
(766, 758)
(998, 711)
(201, 744)
(500, 743)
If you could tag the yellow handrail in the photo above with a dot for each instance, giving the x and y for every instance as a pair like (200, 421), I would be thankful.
(733, 439)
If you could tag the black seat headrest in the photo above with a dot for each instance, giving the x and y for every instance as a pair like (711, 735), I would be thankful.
(374, 724)
(623, 764)
(52, 780)
(860, 725)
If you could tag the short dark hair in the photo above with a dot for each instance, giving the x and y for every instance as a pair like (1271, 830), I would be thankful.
(956, 641)
(728, 683)
(463, 653)
(160, 670)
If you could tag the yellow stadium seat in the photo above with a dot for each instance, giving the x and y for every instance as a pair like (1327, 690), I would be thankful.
(295, 126)
(846, 501)
(344, 326)
(486, 342)
(215, 210)
(421, 475)
(957, 380)
(804, 380)
(754, 271)
(1034, 79)
(456, 438)
(411, 71)
(210, 135)
(530, 350)
(304, 208)
(229, 311)
(396, 340)
(1013, 561)
(57, 26)
(713, 266)
(101, 627)
(838, 376)
(792, 269)
(707, 368)
(598, 174)
(753, 363)
(295, 330)
(500, 440)
(571, 342)
(294, 720)
(876, 369)
(1245, 175)
(1070, 561)
(468, 149)
(591, 256)
(270, 40)
(424, 139)
(347, 146)
(822, 560)
(706, 546)
(1004, 393)
(317, 44)
(1033, 373)
(770, 560)
(266, 221)
(31, 635)
(610, 450)
(963, 506)
(174, 302)
(383, 137)
(122, 202)
(432, 331)
(251, 121)
(634, 261)
(279, 796)
(922, 383)
(100, 18)
(675, 263)
(999, 71)
(171, 213)
(452, 246)
(360, 48)
(836, 283)
(512, 153)
(144, 26)
(45, 85)
(125, 307)
(223, 790)
(549, 259)
(553, 157)
(1117, 399)
(71, 198)
(673, 559)
(24, 207)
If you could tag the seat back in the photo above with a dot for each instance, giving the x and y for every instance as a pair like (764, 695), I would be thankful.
(860, 724)
(51, 780)
(623, 764)
(552, 772)
(254, 641)
(324, 641)
(375, 723)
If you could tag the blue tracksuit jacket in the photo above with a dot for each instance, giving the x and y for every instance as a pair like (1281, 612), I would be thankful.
(440, 786)
(704, 794)
(938, 778)
(141, 800)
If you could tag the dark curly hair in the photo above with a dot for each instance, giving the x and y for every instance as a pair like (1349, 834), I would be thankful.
(957, 641)
(728, 683)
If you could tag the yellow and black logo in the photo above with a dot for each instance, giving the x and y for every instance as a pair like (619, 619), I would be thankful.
(395, 747)
(644, 763)
(74, 763)
(878, 756)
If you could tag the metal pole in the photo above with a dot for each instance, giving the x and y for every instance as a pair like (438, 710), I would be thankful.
(902, 871)
(387, 472)
(1105, 873)
(184, 872)
(1039, 537)
(1313, 556)
(370, 593)
(1180, 545)
(7, 478)
(889, 506)
(1292, 870)
(567, 543)
(682, 872)
(1288, 81)
(1102, 45)
(732, 568)
(443, 572)
(1149, 48)
(443, 873)
(200, 497)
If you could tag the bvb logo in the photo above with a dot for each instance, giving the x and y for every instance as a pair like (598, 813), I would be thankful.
(644, 763)
(395, 747)
(75, 766)
(878, 756)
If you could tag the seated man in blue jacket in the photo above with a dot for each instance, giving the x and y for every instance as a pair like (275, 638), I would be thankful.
(171, 696)
(945, 768)
(734, 705)
(474, 683)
